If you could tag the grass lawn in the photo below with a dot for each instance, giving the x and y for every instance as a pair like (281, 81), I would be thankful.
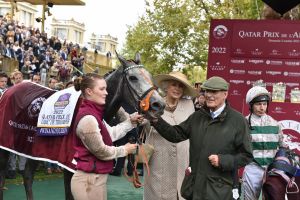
(46, 187)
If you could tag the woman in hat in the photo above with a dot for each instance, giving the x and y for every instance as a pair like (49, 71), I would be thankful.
(169, 161)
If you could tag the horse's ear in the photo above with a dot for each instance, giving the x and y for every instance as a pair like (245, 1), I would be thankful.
(122, 60)
(137, 58)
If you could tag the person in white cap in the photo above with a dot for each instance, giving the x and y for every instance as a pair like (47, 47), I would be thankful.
(266, 137)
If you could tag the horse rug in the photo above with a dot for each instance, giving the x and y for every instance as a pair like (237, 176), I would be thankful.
(19, 107)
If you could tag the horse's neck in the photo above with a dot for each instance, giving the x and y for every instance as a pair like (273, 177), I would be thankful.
(114, 90)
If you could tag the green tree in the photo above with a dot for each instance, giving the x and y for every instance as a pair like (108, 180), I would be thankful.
(174, 33)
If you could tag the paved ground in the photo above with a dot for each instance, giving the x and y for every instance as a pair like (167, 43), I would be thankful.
(52, 189)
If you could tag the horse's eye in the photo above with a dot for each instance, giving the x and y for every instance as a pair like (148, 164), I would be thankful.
(133, 78)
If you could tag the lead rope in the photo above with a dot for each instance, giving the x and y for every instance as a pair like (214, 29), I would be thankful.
(140, 150)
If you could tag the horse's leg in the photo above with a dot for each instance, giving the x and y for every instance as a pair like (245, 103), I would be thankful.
(67, 181)
(28, 177)
(3, 167)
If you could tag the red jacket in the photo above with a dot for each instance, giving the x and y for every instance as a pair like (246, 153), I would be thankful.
(86, 161)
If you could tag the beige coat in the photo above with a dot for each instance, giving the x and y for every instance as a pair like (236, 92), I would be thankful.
(169, 161)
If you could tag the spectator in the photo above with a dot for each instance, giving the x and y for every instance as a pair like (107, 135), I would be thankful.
(59, 86)
(199, 100)
(64, 73)
(54, 71)
(17, 77)
(3, 82)
(10, 35)
(36, 78)
(27, 70)
(52, 82)
(69, 84)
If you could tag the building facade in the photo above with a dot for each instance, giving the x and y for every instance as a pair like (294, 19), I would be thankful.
(24, 13)
(104, 44)
(69, 30)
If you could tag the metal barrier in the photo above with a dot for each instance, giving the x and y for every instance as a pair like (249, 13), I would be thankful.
(91, 67)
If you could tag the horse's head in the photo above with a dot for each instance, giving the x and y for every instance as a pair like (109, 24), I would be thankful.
(134, 86)
(142, 94)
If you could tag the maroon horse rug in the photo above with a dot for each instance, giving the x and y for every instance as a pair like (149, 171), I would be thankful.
(282, 179)
(19, 109)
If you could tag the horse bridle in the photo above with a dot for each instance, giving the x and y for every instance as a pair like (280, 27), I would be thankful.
(144, 99)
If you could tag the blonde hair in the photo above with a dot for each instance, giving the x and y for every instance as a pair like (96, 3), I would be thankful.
(15, 73)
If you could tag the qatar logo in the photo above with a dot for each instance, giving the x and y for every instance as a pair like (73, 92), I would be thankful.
(220, 32)
(35, 107)
(291, 136)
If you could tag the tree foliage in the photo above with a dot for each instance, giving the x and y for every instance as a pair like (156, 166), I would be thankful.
(174, 33)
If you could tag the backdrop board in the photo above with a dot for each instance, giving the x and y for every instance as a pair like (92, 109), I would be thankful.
(244, 51)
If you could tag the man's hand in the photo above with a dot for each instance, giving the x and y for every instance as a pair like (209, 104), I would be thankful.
(214, 160)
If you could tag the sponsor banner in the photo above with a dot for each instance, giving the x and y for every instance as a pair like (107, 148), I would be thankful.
(266, 38)
(245, 51)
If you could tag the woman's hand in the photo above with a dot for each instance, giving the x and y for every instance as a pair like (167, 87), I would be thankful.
(130, 148)
(136, 118)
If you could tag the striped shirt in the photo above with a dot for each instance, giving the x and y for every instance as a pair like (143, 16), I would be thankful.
(266, 138)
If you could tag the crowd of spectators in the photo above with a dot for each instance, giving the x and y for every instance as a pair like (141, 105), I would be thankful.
(35, 51)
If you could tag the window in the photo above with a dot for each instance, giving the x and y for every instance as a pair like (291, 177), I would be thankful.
(77, 36)
(28, 19)
(4, 11)
(112, 48)
(62, 33)
(101, 46)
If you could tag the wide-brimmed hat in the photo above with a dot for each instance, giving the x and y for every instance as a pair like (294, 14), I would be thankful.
(177, 76)
(215, 83)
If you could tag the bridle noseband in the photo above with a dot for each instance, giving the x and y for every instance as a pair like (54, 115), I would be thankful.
(144, 99)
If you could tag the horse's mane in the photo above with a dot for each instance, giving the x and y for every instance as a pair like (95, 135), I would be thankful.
(110, 72)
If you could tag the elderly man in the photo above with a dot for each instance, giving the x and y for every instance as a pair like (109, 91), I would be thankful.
(219, 144)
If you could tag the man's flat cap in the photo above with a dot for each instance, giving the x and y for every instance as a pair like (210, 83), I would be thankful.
(215, 83)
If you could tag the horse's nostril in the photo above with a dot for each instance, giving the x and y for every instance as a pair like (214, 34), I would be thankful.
(156, 106)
